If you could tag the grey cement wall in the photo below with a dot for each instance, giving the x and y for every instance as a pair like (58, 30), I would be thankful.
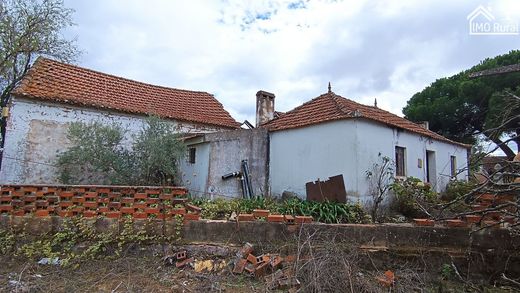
(226, 152)
(37, 133)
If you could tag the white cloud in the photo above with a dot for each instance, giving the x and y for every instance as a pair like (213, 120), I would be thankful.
(367, 49)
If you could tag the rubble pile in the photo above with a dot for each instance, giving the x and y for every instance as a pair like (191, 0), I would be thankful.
(268, 266)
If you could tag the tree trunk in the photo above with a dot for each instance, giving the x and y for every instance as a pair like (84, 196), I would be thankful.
(506, 149)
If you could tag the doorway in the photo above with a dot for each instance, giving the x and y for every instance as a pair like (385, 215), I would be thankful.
(431, 172)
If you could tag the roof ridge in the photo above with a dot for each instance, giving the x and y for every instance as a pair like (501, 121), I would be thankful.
(45, 59)
(344, 108)
(55, 81)
(339, 105)
(386, 112)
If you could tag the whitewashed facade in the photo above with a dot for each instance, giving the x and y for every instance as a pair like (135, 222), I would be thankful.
(351, 147)
(37, 133)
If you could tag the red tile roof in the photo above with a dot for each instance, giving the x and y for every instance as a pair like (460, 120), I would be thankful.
(54, 81)
(330, 107)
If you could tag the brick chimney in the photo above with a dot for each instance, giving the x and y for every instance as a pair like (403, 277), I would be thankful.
(424, 124)
(264, 107)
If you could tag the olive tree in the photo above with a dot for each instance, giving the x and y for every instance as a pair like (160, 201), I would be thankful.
(104, 154)
(28, 29)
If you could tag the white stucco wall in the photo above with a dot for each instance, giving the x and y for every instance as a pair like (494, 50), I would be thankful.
(316, 152)
(36, 134)
(351, 147)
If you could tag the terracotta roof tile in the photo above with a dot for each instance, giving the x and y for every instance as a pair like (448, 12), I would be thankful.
(329, 107)
(55, 81)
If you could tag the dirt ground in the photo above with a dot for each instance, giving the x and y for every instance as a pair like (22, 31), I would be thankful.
(146, 269)
(125, 274)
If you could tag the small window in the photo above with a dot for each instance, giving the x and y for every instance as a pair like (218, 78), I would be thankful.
(191, 155)
(400, 161)
(453, 164)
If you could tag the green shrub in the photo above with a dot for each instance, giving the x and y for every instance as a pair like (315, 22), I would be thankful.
(326, 212)
(99, 155)
(406, 194)
(457, 189)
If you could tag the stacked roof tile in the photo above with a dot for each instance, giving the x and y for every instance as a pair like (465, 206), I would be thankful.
(330, 107)
(55, 81)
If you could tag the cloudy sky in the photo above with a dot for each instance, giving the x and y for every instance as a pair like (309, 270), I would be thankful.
(387, 50)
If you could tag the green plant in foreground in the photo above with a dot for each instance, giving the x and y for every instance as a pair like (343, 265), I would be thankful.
(326, 212)
(407, 192)
(447, 271)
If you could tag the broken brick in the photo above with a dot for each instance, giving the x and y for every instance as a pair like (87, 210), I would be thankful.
(89, 214)
(113, 215)
(18, 213)
(193, 208)
(179, 200)
(191, 217)
(140, 196)
(181, 255)
(65, 214)
(261, 270)
(303, 219)
(493, 215)
(275, 218)
(182, 263)
(250, 268)
(6, 208)
(276, 261)
(245, 250)
(127, 210)
(290, 258)
(387, 280)
(90, 204)
(473, 219)
(260, 213)
(103, 209)
(178, 211)
(252, 259)
(152, 201)
(239, 266)
(140, 215)
(486, 197)
(266, 258)
(245, 217)
(41, 213)
(456, 223)
(289, 219)
(152, 210)
(490, 224)
(423, 222)
(141, 206)
(165, 196)
(126, 200)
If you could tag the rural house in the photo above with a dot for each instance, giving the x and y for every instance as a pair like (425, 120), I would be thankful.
(331, 135)
(322, 138)
(54, 94)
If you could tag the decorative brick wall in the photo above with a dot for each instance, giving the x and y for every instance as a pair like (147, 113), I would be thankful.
(91, 201)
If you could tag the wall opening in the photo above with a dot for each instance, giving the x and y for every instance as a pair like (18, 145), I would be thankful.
(400, 161)
(431, 176)
(191, 155)
(453, 166)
